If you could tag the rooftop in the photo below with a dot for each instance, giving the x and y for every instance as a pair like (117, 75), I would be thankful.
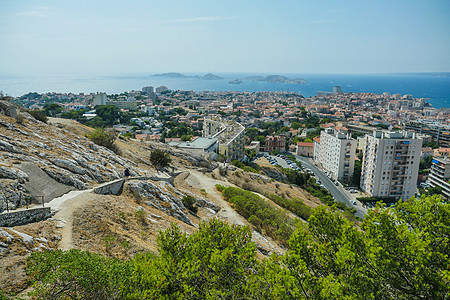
(199, 143)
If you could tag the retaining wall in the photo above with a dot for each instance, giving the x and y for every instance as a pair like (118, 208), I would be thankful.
(110, 188)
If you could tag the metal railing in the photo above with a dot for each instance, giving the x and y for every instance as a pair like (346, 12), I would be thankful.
(28, 201)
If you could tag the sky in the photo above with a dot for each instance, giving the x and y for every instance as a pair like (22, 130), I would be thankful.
(250, 36)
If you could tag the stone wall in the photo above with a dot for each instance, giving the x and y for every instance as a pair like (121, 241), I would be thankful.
(9, 219)
(110, 188)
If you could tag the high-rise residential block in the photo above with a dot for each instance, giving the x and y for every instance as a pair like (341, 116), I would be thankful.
(391, 164)
(100, 99)
(336, 153)
(440, 175)
(147, 89)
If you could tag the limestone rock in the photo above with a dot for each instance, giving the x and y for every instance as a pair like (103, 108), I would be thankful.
(7, 147)
(159, 198)
(69, 165)
(13, 173)
(8, 108)
(8, 237)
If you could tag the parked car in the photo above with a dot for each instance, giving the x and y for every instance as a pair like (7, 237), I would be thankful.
(354, 202)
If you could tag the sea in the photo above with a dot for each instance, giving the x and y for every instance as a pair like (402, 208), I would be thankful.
(435, 87)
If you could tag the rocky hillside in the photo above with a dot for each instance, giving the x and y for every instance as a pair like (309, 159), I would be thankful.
(57, 161)
(66, 158)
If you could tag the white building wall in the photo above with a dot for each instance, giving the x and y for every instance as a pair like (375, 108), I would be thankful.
(337, 154)
(316, 151)
(390, 166)
(100, 99)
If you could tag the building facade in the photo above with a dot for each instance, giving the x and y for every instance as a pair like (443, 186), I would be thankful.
(440, 175)
(147, 89)
(231, 136)
(275, 143)
(100, 99)
(305, 149)
(337, 154)
(316, 148)
(439, 134)
(391, 164)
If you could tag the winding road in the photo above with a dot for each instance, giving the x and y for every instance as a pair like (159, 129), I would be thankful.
(339, 194)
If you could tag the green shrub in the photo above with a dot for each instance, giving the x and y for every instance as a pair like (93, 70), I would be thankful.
(103, 138)
(295, 205)
(188, 202)
(76, 274)
(38, 115)
(140, 216)
(160, 158)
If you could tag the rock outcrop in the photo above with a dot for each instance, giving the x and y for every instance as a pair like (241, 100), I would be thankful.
(164, 200)
(67, 158)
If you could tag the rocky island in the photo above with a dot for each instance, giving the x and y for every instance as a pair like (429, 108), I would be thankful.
(276, 79)
(236, 81)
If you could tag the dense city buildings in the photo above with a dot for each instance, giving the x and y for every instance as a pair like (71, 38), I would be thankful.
(281, 121)
(336, 153)
(440, 133)
(391, 164)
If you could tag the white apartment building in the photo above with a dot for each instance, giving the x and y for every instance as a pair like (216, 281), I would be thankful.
(100, 99)
(161, 89)
(336, 154)
(440, 175)
(391, 164)
(231, 136)
(316, 148)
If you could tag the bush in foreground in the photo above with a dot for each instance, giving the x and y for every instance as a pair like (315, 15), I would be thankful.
(399, 252)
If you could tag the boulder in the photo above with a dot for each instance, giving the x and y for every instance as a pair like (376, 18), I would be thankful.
(7, 108)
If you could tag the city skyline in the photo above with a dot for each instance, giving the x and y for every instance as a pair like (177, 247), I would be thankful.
(50, 37)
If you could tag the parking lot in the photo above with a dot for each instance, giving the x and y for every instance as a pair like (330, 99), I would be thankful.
(280, 160)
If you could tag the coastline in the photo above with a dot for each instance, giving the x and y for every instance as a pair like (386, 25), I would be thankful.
(436, 89)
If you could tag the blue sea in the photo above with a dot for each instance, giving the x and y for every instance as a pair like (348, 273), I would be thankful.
(433, 86)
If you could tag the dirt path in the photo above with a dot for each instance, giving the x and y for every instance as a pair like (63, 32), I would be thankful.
(197, 179)
(66, 205)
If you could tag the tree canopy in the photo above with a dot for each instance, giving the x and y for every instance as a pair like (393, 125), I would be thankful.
(160, 158)
(399, 252)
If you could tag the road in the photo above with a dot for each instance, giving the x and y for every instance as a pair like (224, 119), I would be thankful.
(338, 192)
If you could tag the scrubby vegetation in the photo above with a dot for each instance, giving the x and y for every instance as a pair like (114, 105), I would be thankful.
(294, 205)
(38, 115)
(249, 167)
(265, 217)
(188, 202)
(104, 138)
(398, 253)
(305, 181)
(160, 159)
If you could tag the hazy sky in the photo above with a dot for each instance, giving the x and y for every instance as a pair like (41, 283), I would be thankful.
(299, 36)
